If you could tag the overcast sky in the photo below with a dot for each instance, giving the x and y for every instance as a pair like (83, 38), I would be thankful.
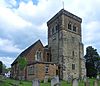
(22, 22)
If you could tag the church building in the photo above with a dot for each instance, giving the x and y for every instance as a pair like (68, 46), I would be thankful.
(63, 56)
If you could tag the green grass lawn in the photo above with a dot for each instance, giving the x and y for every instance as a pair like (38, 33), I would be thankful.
(11, 82)
(63, 83)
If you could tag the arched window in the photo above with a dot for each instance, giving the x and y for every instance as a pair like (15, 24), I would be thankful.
(47, 68)
(74, 28)
(38, 56)
(69, 26)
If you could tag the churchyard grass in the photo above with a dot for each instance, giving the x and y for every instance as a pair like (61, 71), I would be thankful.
(91, 82)
(11, 82)
(44, 84)
(81, 83)
(64, 83)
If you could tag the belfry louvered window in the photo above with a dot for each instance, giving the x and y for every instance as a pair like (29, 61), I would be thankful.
(69, 26)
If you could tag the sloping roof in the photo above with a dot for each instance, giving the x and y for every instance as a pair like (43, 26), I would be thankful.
(26, 51)
(46, 46)
(30, 47)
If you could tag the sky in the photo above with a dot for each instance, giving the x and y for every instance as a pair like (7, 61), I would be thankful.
(23, 22)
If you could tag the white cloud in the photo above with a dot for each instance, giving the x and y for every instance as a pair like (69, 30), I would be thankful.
(2, 3)
(82, 7)
(92, 32)
(39, 13)
(28, 22)
(27, 9)
(11, 20)
(7, 61)
(8, 46)
(11, 3)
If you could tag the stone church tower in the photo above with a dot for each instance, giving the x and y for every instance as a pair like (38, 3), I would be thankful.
(65, 44)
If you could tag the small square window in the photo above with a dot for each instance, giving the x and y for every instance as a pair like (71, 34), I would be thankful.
(73, 53)
(31, 70)
(73, 66)
(56, 28)
(52, 30)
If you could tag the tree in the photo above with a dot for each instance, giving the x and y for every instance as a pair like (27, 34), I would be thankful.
(22, 64)
(91, 70)
(92, 61)
(4, 70)
(1, 67)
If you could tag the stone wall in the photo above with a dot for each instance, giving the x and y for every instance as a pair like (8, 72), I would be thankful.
(40, 71)
(66, 44)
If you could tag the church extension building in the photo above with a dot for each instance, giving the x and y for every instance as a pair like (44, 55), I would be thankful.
(63, 56)
(38, 63)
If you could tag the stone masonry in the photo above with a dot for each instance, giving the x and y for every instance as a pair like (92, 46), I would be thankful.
(65, 44)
